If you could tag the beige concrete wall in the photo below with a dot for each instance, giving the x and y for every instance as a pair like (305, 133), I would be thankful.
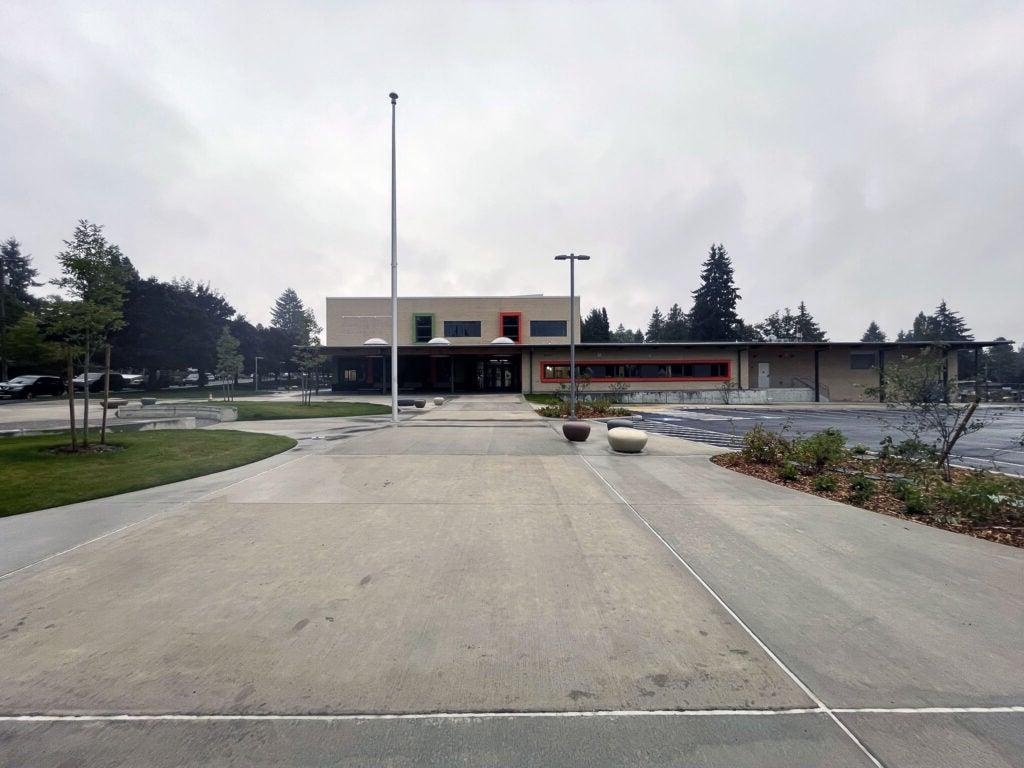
(843, 384)
(351, 321)
(788, 367)
(646, 352)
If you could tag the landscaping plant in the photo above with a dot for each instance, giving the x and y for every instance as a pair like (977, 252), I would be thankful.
(765, 447)
(821, 450)
(862, 488)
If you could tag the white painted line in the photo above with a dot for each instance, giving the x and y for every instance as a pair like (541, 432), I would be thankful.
(761, 644)
(929, 710)
(358, 716)
(415, 715)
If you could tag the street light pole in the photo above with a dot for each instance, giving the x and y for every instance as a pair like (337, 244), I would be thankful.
(256, 375)
(394, 272)
(572, 258)
(3, 317)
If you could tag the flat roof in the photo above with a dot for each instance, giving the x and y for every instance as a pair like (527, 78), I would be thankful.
(464, 298)
(952, 344)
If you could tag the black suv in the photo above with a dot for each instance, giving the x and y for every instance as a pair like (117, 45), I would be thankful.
(27, 387)
(117, 382)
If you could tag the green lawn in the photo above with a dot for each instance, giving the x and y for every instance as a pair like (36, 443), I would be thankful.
(32, 477)
(257, 411)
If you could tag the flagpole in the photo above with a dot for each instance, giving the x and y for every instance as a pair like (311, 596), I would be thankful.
(394, 273)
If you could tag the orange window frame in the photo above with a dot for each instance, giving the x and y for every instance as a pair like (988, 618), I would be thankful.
(519, 324)
(581, 363)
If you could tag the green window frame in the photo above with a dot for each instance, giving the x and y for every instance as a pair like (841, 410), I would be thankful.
(418, 327)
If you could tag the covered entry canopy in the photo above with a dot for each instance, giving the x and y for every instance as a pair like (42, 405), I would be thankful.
(429, 368)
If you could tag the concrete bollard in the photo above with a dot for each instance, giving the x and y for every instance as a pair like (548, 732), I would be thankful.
(626, 440)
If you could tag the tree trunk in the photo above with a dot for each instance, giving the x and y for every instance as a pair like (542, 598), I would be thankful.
(106, 398)
(71, 399)
(85, 394)
(957, 434)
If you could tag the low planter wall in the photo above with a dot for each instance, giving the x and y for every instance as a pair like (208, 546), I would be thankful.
(201, 414)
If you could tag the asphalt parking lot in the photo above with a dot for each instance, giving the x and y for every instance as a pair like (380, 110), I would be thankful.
(996, 446)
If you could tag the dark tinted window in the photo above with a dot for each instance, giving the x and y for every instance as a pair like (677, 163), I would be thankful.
(454, 329)
(548, 328)
(862, 360)
(424, 325)
(510, 327)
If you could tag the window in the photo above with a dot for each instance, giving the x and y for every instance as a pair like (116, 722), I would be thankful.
(510, 325)
(645, 370)
(548, 328)
(423, 328)
(350, 374)
(454, 329)
(861, 361)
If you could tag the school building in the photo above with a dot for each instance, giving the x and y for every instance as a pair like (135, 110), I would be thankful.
(450, 344)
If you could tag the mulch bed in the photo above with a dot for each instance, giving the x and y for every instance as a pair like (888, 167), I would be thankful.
(883, 502)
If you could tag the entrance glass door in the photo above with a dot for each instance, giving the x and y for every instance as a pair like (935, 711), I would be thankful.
(496, 374)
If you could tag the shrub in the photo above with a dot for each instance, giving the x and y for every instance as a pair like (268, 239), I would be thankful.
(821, 450)
(862, 488)
(911, 496)
(859, 450)
(980, 497)
(764, 447)
(788, 472)
(825, 483)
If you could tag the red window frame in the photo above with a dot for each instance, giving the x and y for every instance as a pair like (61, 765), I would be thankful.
(501, 325)
(580, 363)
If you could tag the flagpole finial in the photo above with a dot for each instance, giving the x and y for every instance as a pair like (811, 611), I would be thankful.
(394, 97)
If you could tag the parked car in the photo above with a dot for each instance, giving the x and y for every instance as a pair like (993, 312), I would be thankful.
(27, 387)
(96, 382)
(134, 380)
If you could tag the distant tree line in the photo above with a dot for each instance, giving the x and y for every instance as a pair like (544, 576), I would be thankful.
(148, 324)
(713, 317)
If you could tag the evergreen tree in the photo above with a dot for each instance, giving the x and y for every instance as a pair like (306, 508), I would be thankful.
(638, 336)
(713, 316)
(778, 326)
(873, 333)
(675, 325)
(806, 327)
(1003, 364)
(947, 324)
(289, 314)
(16, 277)
(923, 329)
(655, 327)
(594, 327)
(622, 334)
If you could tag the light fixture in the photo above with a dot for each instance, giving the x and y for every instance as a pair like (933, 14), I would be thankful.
(503, 340)
(439, 340)
(375, 342)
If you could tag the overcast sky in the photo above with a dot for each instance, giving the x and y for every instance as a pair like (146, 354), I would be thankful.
(867, 158)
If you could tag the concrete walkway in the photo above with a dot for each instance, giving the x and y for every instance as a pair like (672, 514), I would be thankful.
(468, 588)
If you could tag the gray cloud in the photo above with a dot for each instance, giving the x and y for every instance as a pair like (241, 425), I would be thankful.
(868, 159)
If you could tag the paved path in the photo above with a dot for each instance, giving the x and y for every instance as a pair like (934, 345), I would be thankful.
(468, 588)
